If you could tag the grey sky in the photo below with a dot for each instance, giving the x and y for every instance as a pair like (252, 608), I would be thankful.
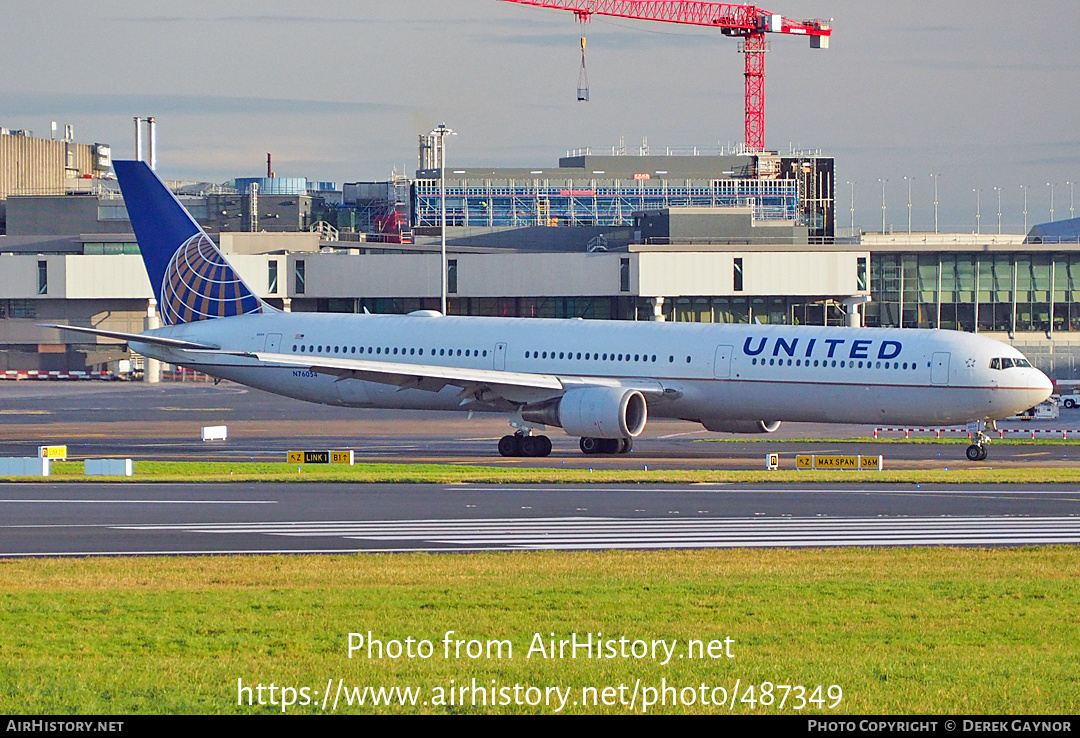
(338, 90)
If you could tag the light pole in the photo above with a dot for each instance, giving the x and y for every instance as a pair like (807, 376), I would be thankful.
(1071, 186)
(1051, 185)
(998, 190)
(852, 184)
(935, 178)
(908, 204)
(978, 211)
(1025, 189)
(883, 181)
(441, 132)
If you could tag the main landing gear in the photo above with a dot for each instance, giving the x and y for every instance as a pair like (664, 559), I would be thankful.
(526, 444)
(595, 446)
(522, 444)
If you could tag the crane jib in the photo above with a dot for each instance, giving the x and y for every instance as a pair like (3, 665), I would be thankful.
(748, 22)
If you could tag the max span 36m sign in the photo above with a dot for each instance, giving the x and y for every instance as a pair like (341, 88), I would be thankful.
(815, 461)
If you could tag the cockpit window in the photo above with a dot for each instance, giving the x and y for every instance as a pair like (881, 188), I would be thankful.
(1008, 362)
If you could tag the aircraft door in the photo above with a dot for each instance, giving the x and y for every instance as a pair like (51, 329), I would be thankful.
(722, 362)
(273, 342)
(500, 357)
(939, 367)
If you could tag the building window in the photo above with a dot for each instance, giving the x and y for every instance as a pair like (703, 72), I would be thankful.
(624, 275)
(451, 276)
(43, 277)
(737, 276)
(22, 309)
(300, 282)
(860, 274)
(271, 280)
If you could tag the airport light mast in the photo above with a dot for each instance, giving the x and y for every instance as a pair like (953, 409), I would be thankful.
(747, 22)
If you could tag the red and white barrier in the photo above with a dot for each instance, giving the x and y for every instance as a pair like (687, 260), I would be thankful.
(1063, 432)
(908, 431)
(39, 375)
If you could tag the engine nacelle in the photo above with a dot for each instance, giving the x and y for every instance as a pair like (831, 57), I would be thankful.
(595, 412)
(740, 426)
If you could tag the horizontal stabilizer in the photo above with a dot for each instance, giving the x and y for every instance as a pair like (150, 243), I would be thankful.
(140, 337)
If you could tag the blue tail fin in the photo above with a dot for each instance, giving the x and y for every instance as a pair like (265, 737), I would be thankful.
(190, 277)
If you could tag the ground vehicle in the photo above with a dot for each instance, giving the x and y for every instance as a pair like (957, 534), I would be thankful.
(1047, 410)
(1071, 400)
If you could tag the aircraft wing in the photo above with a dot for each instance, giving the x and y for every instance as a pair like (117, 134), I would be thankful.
(480, 385)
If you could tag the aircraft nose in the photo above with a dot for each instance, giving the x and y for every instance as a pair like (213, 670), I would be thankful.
(1039, 386)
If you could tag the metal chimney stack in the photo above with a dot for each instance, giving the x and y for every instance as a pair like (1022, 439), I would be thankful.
(138, 139)
(153, 141)
(151, 134)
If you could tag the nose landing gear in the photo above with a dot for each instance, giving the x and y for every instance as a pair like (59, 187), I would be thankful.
(979, 440)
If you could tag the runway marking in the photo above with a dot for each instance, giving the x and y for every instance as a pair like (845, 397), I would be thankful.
(576, 533)
(679, 435)
(194, 409)
(146, 502)
(734, 487)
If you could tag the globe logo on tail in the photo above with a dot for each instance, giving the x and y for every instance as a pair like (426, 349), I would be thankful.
(200, 285)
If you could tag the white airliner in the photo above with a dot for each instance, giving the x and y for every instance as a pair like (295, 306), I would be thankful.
(599, 380)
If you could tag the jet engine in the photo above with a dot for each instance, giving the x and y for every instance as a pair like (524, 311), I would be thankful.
(594, 412)
(740, 426)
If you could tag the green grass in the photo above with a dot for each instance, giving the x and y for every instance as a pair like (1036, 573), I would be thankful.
(903, 631)
(952, 471)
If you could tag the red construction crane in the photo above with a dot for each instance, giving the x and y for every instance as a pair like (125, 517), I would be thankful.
(746, 21)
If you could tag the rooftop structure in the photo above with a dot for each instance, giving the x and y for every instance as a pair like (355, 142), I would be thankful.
(588, 190)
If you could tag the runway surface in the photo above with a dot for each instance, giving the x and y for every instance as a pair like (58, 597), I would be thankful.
(164, 421)
(157, 519)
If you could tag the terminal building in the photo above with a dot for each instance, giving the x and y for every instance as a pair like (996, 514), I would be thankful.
(723, 237)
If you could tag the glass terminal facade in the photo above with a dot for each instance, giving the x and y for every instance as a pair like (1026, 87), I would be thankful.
(1004, 292)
